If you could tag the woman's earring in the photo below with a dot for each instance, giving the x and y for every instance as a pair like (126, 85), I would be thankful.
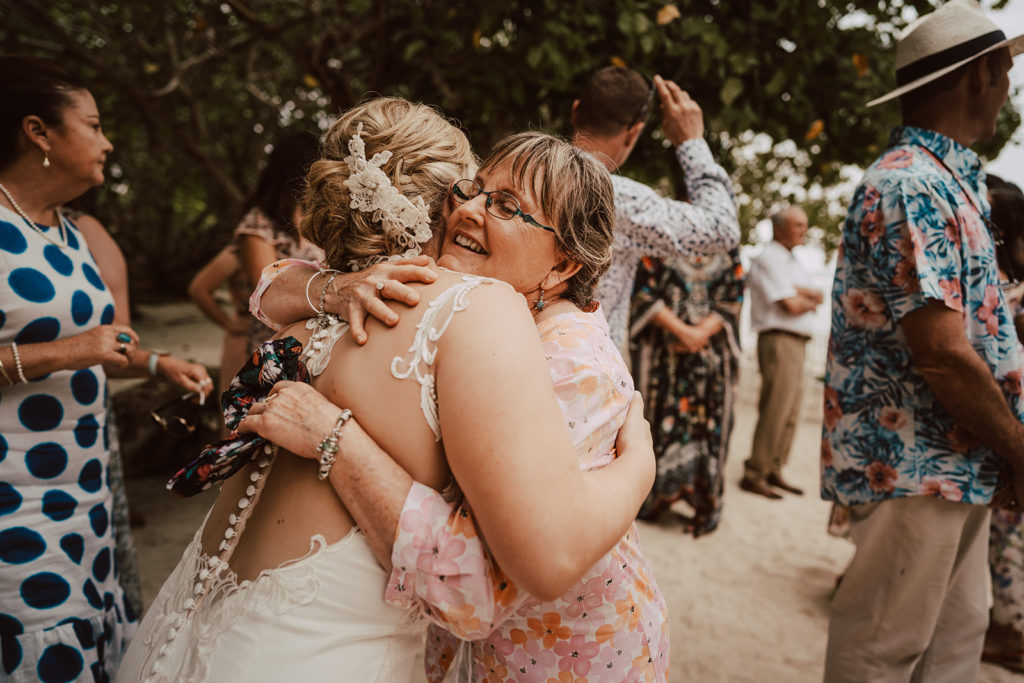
(540, 303)
(46, 160)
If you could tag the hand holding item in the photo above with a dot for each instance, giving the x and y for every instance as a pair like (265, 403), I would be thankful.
(681, 117)
(353, 296)
(187, 375)
(295, 416)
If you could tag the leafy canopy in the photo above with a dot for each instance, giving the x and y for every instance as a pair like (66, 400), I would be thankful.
(194, 91)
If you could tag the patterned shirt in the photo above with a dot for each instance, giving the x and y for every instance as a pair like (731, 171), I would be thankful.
(912, 235)
(611, 626)
(647, 224)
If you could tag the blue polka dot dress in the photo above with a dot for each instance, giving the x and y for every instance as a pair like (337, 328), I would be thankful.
(63, 616)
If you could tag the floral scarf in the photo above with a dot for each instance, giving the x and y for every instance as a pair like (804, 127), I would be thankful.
(271, 362)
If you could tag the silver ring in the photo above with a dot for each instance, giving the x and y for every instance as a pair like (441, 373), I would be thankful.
(380, 285)
(123, 348)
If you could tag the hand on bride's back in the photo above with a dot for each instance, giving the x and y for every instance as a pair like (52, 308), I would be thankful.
(295, 416)
(635, 441)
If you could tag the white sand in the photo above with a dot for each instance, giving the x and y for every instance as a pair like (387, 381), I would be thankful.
(749, 602)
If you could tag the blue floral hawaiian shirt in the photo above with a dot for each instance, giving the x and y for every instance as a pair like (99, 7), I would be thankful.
(911, 235)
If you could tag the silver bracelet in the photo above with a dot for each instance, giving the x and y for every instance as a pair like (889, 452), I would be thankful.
(323, 292)
(3, 371)
(309, 301)
(328, 448)
(17, 362)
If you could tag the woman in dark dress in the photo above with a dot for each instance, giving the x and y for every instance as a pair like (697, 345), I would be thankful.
(684, 332)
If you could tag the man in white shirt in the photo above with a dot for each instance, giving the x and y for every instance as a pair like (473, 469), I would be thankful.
(607, 121)
(782, 306)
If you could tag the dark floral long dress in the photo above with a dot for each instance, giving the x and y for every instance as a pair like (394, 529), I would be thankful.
(688, 397)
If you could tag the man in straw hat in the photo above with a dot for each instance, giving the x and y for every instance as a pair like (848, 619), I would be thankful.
(923, 397)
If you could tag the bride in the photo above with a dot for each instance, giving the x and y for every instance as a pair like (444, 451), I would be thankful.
(279, 582)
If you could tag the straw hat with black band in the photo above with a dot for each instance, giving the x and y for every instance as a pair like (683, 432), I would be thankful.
(943, 41)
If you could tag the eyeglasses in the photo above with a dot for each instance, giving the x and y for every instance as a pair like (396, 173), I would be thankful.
(500, 204)
(175, 425)
(645, 108)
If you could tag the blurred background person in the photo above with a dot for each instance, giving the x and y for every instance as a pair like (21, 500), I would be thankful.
(782, 306)
(1004, 639)
(685, 353)
(225, 268)
(268, 231)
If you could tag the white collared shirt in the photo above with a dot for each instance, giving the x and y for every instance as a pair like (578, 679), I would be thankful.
(774, 276)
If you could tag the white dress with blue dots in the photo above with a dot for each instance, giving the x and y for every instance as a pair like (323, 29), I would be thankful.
(63, 616)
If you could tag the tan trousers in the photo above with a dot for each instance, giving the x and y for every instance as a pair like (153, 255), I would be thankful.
(912, 605)
(781, 359)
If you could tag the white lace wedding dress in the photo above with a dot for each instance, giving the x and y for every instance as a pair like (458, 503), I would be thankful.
(321, 617)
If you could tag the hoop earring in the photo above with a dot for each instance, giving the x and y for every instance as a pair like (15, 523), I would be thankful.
(539, 304)
(46, 160)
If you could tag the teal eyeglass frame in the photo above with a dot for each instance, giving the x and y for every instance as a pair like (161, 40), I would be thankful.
(461, 197)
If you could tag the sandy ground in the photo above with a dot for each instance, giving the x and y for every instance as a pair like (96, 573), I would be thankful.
(749, 602)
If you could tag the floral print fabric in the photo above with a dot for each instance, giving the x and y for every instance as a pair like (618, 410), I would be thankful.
(1006, 564)
(612, 626)
(647, 224)
(271, 362)
(911, 235)
(688, 397)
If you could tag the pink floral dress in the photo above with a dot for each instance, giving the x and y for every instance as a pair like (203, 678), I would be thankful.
(611, 626)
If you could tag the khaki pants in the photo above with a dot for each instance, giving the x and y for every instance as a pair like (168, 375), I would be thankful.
(912, 605)
(780, 357)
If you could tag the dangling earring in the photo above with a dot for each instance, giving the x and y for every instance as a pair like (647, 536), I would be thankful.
(539, 304)
(46, 160)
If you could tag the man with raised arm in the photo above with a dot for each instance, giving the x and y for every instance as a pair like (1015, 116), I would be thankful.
(607, 120)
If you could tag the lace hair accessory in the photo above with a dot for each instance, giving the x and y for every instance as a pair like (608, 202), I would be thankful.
(405, 221)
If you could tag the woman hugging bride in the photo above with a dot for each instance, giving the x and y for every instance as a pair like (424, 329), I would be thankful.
(285, 577)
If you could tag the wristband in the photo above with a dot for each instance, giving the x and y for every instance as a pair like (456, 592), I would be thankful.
(154, 358)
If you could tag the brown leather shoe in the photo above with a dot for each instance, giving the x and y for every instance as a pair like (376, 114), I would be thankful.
(759, 487)
(777, 481)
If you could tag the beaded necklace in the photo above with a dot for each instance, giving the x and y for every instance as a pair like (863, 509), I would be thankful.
(61, 227)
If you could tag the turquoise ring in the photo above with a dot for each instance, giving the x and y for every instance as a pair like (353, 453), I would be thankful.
(123, 338)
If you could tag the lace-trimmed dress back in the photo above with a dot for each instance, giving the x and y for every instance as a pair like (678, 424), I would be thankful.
(314, 618)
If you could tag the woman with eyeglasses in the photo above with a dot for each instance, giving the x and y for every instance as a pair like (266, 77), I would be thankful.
(281, 582)
(63, 615)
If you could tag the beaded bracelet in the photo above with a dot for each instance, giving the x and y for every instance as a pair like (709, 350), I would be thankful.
(328, 448)
(7, 377)
(17, 362)
(323, 292)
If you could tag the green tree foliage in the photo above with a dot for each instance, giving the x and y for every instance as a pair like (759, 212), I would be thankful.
(194, 91)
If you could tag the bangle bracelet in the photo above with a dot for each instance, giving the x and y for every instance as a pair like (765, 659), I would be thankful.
(17, 362)
(309, 301)
(308, 283)
(3, 371)
(154, 359)
(328, 448)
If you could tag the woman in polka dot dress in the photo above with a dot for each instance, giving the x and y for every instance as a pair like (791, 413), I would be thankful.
(63, 616)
